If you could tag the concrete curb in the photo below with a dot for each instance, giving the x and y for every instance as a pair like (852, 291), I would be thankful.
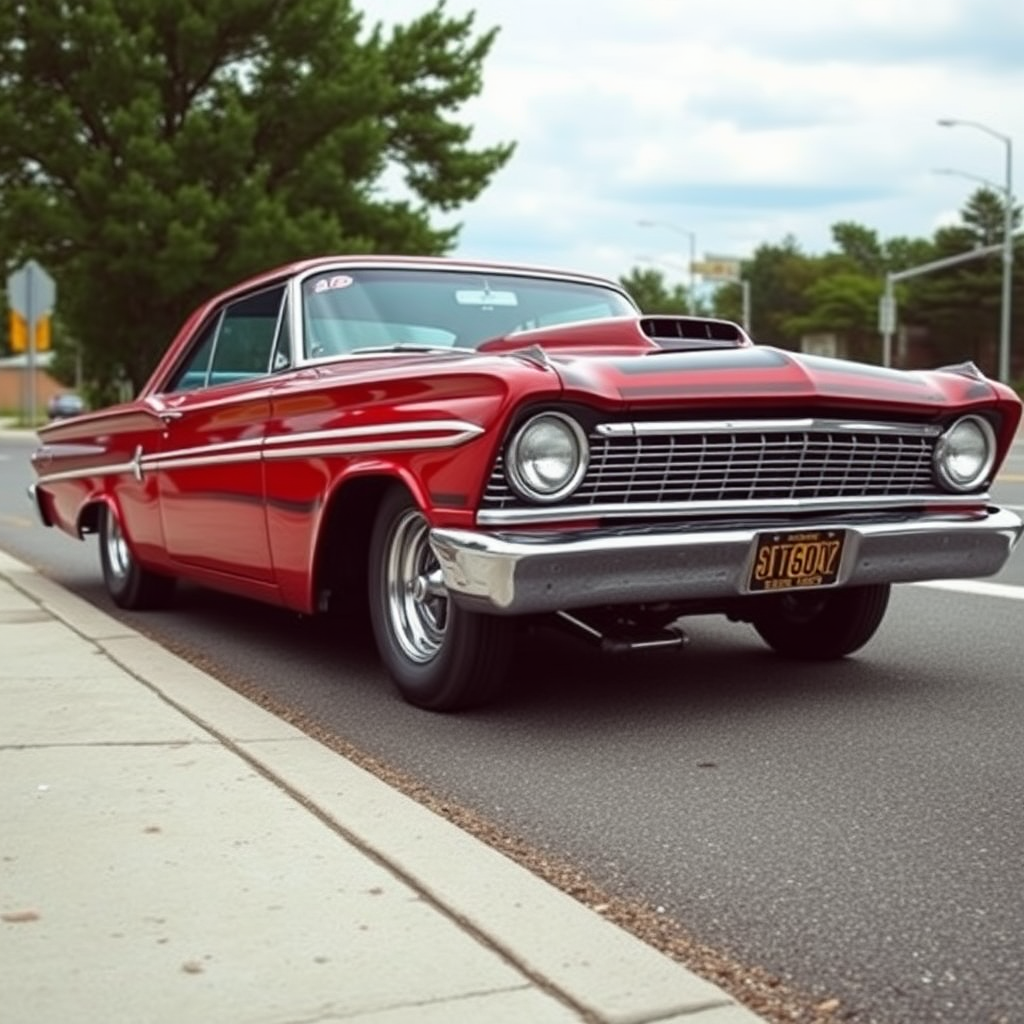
(566, 951)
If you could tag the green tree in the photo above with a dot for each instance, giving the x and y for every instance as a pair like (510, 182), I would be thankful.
(949, 315)
(844, 303)
(959, 307)
(652, 294)
(153, 151)
(859, 247)
(728, 302)
(984, 216)
(779, 277)
(902, 253)
(842, 296)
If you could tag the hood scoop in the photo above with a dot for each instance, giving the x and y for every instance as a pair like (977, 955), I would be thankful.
(693, 332)
(625, 336)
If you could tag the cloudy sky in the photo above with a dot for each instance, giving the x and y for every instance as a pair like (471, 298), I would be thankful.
(733, 123)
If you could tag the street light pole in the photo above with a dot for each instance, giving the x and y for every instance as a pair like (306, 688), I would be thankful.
(691, 280)
(956, 172)
(1005, 323)
(745, 292)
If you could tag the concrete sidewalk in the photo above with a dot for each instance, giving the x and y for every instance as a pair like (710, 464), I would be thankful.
(170, 852)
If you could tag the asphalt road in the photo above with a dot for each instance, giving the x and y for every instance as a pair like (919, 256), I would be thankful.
(855, 829)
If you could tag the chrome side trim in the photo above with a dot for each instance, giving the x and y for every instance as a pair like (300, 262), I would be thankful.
(459, 431)
(184, 460)
(132, 467)
(225, 452)
(361, 448)
(753, 506)
(137, 469)
(65, 449)
(349, 440)
(343, 441)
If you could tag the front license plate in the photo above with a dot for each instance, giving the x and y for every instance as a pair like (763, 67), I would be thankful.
(797, 559)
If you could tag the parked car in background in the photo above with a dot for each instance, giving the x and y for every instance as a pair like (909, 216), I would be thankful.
(461, 448)
(64, 405)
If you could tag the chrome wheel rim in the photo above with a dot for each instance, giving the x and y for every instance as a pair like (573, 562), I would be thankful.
(417, 602)
(119, 558)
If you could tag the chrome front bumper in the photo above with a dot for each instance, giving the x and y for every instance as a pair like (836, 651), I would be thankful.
(522, 573)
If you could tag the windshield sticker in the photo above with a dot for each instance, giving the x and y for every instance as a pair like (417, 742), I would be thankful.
(330, 284)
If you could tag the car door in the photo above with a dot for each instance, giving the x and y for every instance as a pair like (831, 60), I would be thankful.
(210, 471)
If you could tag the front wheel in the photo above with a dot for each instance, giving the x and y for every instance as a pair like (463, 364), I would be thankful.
(822, 625)
(129, 585)
(440, 656)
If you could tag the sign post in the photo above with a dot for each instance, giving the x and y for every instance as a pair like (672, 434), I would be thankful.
(30, 294)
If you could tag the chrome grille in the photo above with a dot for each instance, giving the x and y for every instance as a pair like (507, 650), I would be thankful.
(679, 464)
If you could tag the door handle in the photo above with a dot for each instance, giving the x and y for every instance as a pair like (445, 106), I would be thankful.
(169, 415)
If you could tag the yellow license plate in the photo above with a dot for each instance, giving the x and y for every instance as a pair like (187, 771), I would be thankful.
(797, 559)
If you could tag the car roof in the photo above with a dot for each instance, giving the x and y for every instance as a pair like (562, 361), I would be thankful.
(301, 267)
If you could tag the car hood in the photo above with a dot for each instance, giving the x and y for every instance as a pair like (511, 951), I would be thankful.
(620, 361)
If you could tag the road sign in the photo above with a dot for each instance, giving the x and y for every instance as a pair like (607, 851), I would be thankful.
(19, 333)
(30, 294)
(31, 291)
(718, 268)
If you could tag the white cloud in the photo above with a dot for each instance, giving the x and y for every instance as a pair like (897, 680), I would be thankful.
(742, 121)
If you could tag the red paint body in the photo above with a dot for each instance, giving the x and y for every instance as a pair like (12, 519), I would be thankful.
(230, 485)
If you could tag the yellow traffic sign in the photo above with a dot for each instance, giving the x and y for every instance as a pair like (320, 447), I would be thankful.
(717, 269)
(19, 333)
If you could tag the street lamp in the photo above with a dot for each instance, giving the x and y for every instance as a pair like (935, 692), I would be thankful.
(955, 172)
(1005, 320)
(691, 287)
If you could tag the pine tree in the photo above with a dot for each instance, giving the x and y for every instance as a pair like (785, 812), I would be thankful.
(153, 151)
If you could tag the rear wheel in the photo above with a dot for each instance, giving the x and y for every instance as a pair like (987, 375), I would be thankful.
(129, 585)
(440, 656)
(822, 624)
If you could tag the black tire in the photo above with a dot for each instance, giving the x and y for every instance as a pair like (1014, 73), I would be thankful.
(822, 625)
(441, 657)
(129, 585)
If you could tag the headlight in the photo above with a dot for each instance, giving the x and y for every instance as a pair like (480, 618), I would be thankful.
(547, 457)
(965, 454)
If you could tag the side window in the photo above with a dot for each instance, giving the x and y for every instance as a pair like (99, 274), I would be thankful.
(245, 341)
(195, 371)
(238, 343)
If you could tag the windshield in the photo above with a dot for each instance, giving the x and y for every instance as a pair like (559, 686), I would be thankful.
(344, 311)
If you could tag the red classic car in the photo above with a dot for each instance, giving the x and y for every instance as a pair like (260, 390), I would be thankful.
(457, 447)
